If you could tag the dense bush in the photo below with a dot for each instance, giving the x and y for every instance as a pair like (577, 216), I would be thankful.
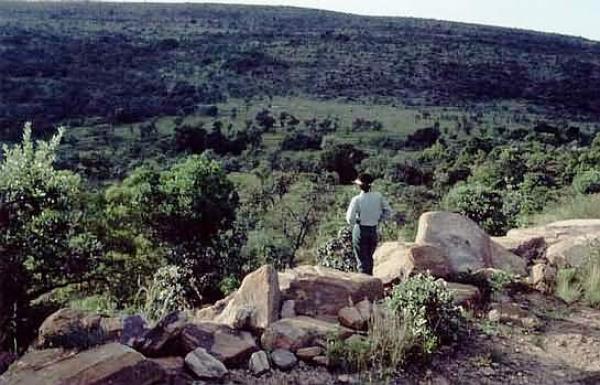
(427, 306)
(482, 204)
(179, 215)
(342, 159)
(44, 237)
(587, 182)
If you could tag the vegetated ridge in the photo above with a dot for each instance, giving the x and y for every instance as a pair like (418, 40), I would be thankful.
(129, 62)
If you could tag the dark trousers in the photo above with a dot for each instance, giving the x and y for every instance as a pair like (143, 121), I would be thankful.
(364, 242)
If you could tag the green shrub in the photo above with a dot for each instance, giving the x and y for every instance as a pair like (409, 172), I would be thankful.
(182, 216)
(385, 348)
(165, 293)
(587, 182)
(426, 305)
(337, 252)
(482, 204)
(45, 240)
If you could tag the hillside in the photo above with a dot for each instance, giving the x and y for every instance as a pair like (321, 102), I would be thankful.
(127, 62)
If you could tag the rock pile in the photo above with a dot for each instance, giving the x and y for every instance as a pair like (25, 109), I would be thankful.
(277, 319)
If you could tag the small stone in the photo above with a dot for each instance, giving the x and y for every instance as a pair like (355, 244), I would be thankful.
(350, 317)
(365, 308)
(283, 359)
(259, 363)
(288, 309)
(307, 354)
(204, 365)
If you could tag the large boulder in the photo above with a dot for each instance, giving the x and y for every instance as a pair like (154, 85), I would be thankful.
(256, 303)
(321, 292)
(230, 346)
(467, 246)
(69, 328)
(111, 364)
(395, 261)
(300, 332)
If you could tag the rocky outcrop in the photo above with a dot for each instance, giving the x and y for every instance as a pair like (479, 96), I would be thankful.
(254, 306)
(69, 328)
(300, 332)
(321, 292)
(111, 364)
(395, 261)
(467, 246)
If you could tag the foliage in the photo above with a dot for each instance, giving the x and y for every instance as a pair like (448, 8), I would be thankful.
(384, 350)
(500, 280)
(480, 203)
(165, 293)
(587, 182)
(178, 215)
(337, 252)
(567, 287)
(342, 159)
(44, 238)
(426, 304)
(569, 207)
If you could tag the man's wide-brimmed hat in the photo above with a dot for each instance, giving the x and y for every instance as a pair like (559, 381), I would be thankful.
(364, 179)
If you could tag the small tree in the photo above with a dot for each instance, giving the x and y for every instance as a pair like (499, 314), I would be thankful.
(44, 244)
(183, 214)
(342, 159)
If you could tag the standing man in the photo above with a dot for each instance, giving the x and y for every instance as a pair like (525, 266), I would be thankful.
(365, 212)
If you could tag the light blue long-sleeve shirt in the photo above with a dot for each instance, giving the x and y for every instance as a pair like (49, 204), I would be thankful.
(369, 209)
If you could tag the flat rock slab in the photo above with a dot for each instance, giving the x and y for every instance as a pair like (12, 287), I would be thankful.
(300, 332)
(111, 364)
(322, 292)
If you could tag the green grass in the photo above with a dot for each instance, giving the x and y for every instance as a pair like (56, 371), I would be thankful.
(570, 207)
(567, 286)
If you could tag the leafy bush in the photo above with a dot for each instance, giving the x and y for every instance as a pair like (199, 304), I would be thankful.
(337, 252)
(44, 237)
(165, 293)
(180, 216)
(587, 182)
(426, 305)
(480, 203)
